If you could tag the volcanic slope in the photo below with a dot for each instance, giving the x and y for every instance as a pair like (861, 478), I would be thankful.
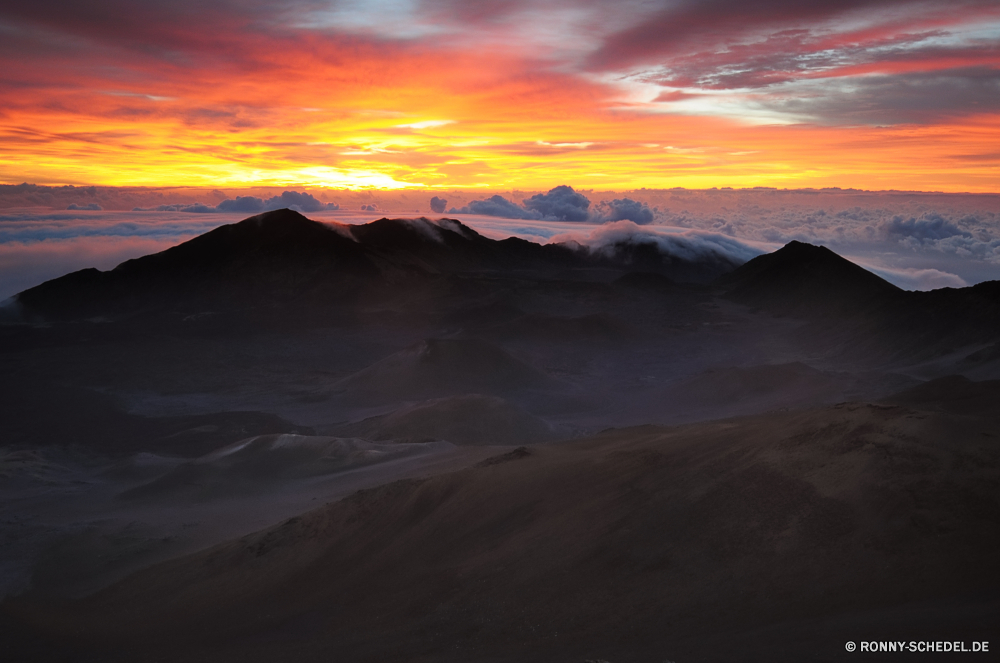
(281, 258)
(445, 367)
(468, 419)
(856, 314)
(325, 324)
(777, 537)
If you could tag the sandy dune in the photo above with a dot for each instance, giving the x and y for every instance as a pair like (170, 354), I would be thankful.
(75, 522)
(266, 463)
(706, 542)
(444, 367)
(471, 419)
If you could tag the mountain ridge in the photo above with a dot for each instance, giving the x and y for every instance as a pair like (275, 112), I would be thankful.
(800, 277)
(281, 265)
(281, 257)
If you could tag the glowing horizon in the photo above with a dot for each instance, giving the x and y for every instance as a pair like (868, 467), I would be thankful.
(438, 95)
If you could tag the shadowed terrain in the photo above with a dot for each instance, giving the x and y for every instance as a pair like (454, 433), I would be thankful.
(634, 544)
(406, 441)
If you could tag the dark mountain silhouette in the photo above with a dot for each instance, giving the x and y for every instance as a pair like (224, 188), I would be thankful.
(271, 256)
(952, 317)
(280, 268)
(444, 367)
(448, 246)
(90, 420)
(860, 313)
(953, 393)
(277, 365)
(281, 258)
(801, 278)
(646, 257)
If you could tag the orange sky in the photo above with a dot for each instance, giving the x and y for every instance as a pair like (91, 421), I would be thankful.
(878, 95)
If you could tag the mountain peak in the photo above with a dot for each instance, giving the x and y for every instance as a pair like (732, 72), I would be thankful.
(276, 225)
(403, 232)
(801, 276)
(272, 217)
(268, 257)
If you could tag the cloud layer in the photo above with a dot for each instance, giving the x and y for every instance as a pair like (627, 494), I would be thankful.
(300, 202)
(561, 203)
(688, 245)
(914, 240)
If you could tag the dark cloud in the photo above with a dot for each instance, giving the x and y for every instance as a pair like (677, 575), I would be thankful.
(438, 205)
(64, 197)
(28, 227)
(790, 55)
(241, 204)
(93, 207)
(194, 208)
(777, 58)
(930, 226)
(625, 209)
(561, 204)
(966, 247)
(369, 208)
(674, 95)
(304, 202)
(497, 206)
(706, 25)
(479, 12)
(809, 61)
(161, 28)
(901, 98)
(300, 202)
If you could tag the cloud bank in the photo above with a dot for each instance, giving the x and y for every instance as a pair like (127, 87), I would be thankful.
(917, 241)
(689, 245)
(561, 203)
(300, 202)
(438, 205)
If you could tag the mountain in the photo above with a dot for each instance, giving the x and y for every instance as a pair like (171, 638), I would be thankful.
(265, 258)
(471, 419)
(449, 246)
(181, 433)
(280, 269)
(282, 259)
(774, 537)
(800, 278)
(444, 367)
(953, 393)
(858, 312)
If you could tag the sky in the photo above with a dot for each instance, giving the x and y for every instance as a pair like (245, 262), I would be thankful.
(871, 127)
(501, 94)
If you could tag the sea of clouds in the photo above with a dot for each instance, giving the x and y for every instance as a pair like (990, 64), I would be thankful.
(919, 241)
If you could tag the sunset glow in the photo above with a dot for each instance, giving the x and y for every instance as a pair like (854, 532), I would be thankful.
(390, 95)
